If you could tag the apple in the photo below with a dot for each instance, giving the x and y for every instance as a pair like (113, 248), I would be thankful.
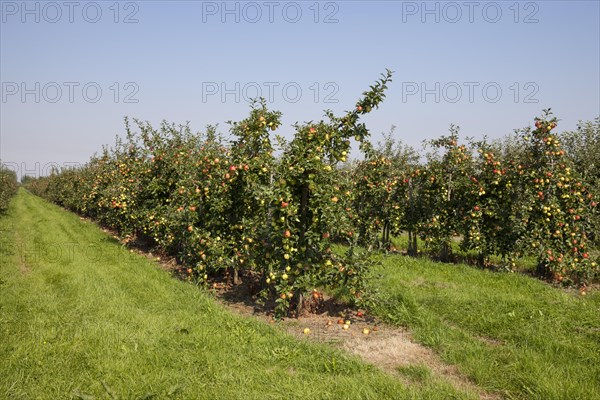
(366, 331)
(287, 234)
(190, 228)
(306, 331)
(334, 199)
(346, 326)
(340, 321)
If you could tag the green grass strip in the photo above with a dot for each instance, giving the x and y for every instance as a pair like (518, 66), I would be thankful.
(81, 317)
(510, 333)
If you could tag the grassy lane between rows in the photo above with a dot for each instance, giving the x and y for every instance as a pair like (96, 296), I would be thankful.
(510, 333)
(81, 317)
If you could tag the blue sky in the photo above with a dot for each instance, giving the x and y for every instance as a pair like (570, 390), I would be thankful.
(489, 67)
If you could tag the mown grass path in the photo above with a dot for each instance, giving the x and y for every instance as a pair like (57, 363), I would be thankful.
(510, 333)
(81, 317)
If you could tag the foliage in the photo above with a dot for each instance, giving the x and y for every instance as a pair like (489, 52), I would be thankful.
(381, 186)
(558, 223)
(8, 186)
(582, 147)
(235, 209)
(223, 208)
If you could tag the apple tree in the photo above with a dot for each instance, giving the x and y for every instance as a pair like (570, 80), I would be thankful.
(561, 204)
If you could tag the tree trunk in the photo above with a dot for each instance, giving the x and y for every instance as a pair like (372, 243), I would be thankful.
(445, 253)
(481, 259)
(409, 249)
(542, 270)
(300, 305)
(304, 211)
(386, 235)
(236, 277)
(415, 249)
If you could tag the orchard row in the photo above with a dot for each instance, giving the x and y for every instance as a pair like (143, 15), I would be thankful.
(8, 186)
(226, 208)
(528, 195)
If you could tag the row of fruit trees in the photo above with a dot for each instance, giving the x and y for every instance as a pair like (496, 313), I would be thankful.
(8, 186)
(272, 210)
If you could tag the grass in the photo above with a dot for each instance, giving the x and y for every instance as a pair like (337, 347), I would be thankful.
(510, 333)
(81, 317)
(418, 373)
(422, 376)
